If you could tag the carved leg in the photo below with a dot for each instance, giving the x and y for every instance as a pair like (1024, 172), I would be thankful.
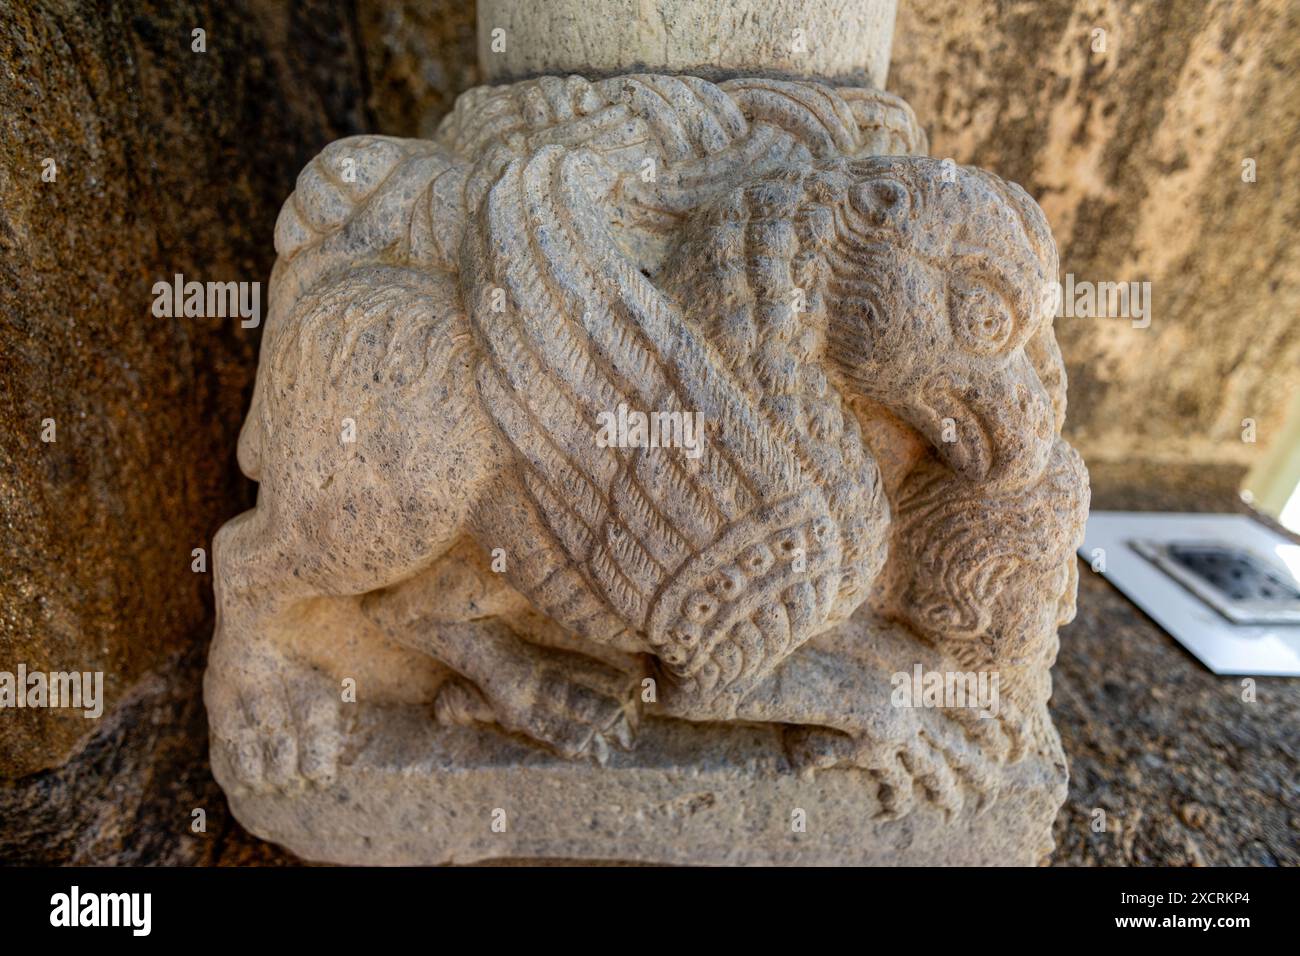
(570, 702)
(278, 722)
(363, 484)
(835, 696)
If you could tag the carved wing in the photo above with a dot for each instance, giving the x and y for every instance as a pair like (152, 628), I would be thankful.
(672, 143)
(687, 550)
(405, 200)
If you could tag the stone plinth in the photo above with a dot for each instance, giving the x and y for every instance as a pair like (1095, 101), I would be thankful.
(416, 796)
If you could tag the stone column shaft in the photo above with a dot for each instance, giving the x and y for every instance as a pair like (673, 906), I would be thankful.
(834, 40)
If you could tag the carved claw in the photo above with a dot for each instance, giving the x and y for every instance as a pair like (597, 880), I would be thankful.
(459, 702)
(894, 790)
(817, 748)
(939, 765)
(820, 748)
(278, 724)
(575, 705)
(930, 770)
(975, 749)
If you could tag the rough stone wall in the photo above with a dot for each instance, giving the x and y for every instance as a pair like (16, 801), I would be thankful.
(168, 161)
(419, 56)
(1135, 154)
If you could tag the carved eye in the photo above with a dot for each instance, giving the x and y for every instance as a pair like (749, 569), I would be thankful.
(981, 318)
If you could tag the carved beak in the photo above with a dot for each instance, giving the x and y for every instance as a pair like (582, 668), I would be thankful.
(990, 423)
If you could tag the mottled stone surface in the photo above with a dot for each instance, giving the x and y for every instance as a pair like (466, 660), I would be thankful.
(419, 794)
(128, 796)
(862, 336)
(1190, 775)
(1135, 154)
(835, 39)
(419, 56)
(1198, 776)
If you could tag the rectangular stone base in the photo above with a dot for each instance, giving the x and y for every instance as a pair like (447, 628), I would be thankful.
(415, 793)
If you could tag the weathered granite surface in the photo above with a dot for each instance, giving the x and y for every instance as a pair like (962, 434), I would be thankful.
(1188, 774)
(99, 526)
(1135, 152)
(168, 161)
(862, 478)
(421, 795)
(300, 53)
(127, 797)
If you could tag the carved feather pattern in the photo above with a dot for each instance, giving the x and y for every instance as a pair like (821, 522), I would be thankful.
(519, 177)
(700, 138)
(516, 194)
(583, 330)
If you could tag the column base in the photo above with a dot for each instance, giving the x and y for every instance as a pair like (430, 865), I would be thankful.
(412, 793)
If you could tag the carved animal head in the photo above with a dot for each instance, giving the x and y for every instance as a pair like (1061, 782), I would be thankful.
(935, 284)
(916, 283)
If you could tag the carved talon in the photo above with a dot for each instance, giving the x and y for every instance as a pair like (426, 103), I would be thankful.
(894, 790)
(949, 774)
(820, 748)
(280, 724)
(579, 707)
(459, 702)
(576, 706)
(930, 770)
